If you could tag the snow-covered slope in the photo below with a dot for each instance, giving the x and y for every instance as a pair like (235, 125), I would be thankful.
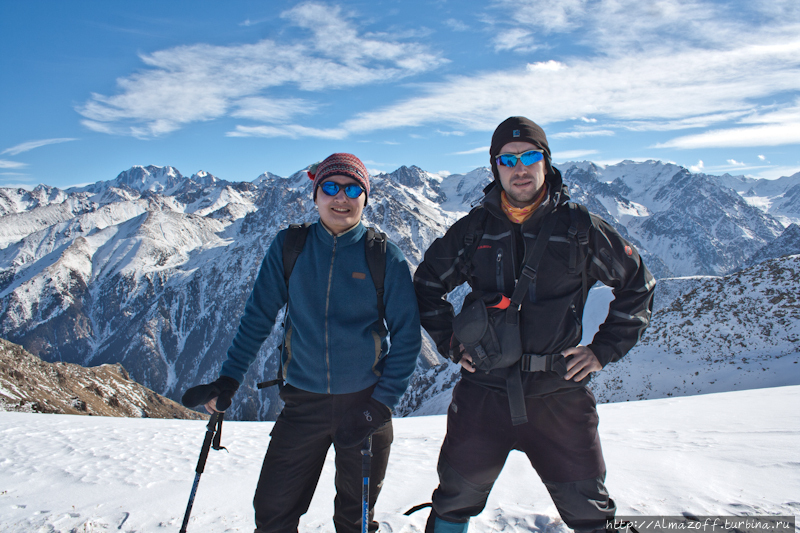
(740, 331)
(152, 269)
(787, 243)
(717, 454)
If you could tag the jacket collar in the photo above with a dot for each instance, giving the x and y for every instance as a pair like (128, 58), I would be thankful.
(347, 238)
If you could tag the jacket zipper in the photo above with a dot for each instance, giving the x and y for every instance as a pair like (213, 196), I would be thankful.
(499, 272)
(327, 325)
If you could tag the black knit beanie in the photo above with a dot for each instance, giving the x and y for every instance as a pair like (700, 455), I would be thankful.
(514, 129)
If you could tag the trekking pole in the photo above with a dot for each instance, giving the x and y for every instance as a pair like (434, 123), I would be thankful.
(366, 460)
(213, 429)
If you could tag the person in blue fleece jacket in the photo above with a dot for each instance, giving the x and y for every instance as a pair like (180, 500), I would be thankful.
(341, 377)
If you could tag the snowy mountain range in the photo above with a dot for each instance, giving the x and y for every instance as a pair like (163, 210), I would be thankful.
(152, 269)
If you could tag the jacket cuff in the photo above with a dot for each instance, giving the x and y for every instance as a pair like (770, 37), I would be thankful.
(604, 354)
(228, 381)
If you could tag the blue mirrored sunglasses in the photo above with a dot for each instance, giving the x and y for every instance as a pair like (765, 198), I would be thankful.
(528, 158)
(351, 190)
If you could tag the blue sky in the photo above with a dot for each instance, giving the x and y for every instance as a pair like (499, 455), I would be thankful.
(92, 88)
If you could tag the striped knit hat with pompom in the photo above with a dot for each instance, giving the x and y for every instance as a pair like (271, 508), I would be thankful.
(343, 165)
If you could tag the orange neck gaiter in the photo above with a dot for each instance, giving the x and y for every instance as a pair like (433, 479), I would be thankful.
(518, 215)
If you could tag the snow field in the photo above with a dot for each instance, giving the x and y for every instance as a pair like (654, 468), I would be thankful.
(730, 453)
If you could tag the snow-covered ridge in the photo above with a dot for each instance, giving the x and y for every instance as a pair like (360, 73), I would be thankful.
(152, 269)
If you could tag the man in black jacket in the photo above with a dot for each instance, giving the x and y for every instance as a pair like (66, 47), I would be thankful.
(550, 415)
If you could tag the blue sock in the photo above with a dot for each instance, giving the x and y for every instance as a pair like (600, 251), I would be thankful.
(443, 526)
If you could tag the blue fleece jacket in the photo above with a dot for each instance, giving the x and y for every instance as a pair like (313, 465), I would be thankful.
(332, 343)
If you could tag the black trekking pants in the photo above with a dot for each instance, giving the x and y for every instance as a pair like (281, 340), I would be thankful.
(560, 440)
(300, 441)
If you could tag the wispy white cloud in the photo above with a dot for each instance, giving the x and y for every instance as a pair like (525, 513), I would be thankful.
(272, 109)
(635, 89)
(698, 167)
(456, 25)
(657, 66)
(4, 163)
(518, 39)
(569, 155)
(736, 163)
(665, 65)
(29, 186)
(30, 145)
(618, 27)
(685, 123)
(203, 82)
(737, 169)
(479, 150)
(292, 131)
(764, 135)
(774, 172)
(580, 134)
(248, 22)
(514, 23)
(550, 65)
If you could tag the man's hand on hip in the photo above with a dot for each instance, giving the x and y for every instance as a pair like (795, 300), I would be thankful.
(582, 363)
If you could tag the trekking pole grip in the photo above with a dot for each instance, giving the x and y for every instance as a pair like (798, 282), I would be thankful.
(214, 425)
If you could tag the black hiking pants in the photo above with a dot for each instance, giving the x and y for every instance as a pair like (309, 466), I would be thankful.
(560, 440)
(300, 441)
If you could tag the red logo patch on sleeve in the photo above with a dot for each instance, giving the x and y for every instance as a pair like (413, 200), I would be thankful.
(628, 250)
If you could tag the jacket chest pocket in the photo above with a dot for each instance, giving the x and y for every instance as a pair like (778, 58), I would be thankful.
(498, 271)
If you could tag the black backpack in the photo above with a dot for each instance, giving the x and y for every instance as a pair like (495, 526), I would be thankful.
(375, 249)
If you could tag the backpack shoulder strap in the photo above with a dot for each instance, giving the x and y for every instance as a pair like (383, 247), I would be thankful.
(292, 246)
(578, 233)
(375, 249)
(475, 227)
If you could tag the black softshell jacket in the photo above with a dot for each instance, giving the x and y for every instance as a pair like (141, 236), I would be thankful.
(551, 314)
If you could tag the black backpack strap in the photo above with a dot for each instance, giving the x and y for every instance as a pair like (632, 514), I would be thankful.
(375, 249)
(578, 232)
(270, 383)
(292, 246)
(578, 236)
(516, 395)
(531, 263)
(475, 228)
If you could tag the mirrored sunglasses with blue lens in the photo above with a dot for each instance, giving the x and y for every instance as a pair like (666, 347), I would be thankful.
(528, 158)
(351, 190)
